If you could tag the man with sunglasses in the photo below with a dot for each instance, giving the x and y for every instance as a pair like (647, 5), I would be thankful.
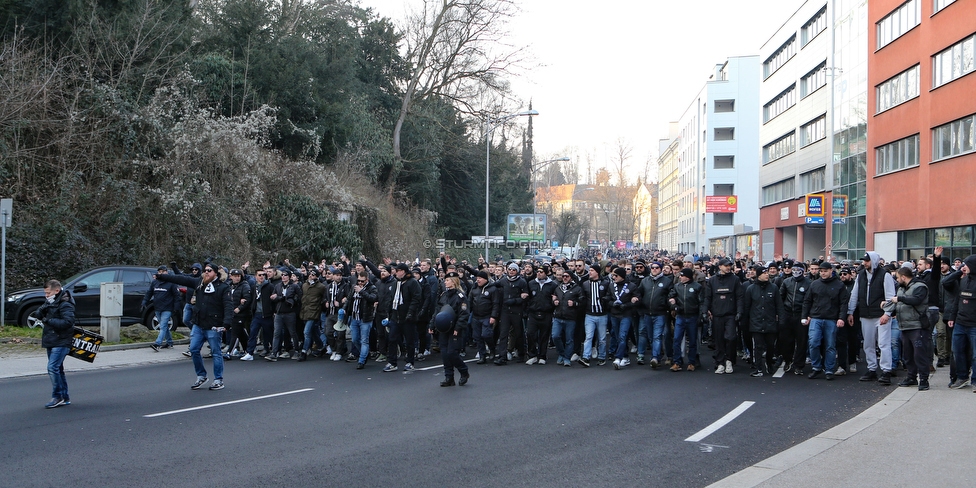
(212, 314)
(652, 294)
(360, 310)
(262, 313)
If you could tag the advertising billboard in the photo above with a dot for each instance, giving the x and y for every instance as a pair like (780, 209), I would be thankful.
(526, 227)
(721, 204)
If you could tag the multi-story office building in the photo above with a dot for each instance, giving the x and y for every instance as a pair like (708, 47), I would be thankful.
(714, 145)
(922, 118)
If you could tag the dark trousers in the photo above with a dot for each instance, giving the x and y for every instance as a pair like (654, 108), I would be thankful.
(847, 346)
(537, 334)
(401, 333)
(382, 337)
(238, 332)
(508, 323)
(284, 322)
(484, 336)
(764, 350)
(793, 341)
(723, 330)
(451, 346)
(916, 351)
(261, 327)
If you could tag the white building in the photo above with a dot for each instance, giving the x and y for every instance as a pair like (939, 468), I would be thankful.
(715, 144)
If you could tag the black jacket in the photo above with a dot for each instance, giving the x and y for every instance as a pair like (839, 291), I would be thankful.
(687, 298)
(566, 293)
(485, 302)
(262, 293)
(540, 298)
(241, 297)
(763, 307)
(407, 307)
(723, 295)
(362, 305)
(165, 296)
(962, 310)
(213, 307)
(827, 299)
(288, 298)
(624, 305)
(335, 291)
(457, 301)
(384, 297)
(654, 293)
(596, 296)
(793, 291)
(59, 320)
(512, 290)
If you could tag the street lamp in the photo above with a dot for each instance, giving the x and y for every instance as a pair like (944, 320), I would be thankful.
(535, 169)
(490, 124)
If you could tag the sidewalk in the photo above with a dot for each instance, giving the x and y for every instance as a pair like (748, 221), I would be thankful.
(910, 438)
(111, 357)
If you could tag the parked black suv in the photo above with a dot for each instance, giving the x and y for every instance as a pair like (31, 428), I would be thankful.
(85, 287)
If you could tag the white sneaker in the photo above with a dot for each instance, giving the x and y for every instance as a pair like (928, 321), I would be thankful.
(509, 356)
(284, 355)
(728, 367)
(247, 357)
(840, 371)
(427, 353)
(720, 370)
(235, 352)
(624, 362)
(532, 361)
(477, 355)
(542, 361)
(574, 358)
(595, 353)
(336, 357)
(328, 350)
(616, 364)
(852, 369)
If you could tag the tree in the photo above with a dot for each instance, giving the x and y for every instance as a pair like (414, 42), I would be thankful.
(566, 228)
(622, 153)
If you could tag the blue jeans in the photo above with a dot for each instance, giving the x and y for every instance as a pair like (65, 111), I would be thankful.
(823, 330)
(260, 327)
(55, 369)
(188, 315)
(311, 327)
(622, 326)
(895, 342)
(563, 331)
(360, 335)
(960, 335)
(197, 338)
(164, 317)
(657, 336)
(597, 324)
(685, 326)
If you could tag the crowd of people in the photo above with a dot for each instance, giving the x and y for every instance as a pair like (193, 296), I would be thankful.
(817, 318)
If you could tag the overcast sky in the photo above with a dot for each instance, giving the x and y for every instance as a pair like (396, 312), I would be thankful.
(622, 69)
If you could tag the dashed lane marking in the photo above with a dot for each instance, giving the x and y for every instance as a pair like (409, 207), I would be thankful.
(718, 424)
(221, 404)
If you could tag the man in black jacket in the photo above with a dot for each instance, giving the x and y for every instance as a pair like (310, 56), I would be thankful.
(212, 314)
(360, 312)
(404, 313)
(384, 299)
(567, 298)
(723, 301)
(686, 301)
(485, 303)
(763, 306)
(652, 295)
(514, 293)
(824, 308)
(262, 313)
(287, 301)
(961, 318)
(792, 339)
(539, 309)
(165, 298)
(58, 316)
(240, 295)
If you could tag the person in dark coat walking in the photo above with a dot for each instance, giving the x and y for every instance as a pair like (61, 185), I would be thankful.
(165, 298)
(450, 335)
(764, 312)
(58, 316)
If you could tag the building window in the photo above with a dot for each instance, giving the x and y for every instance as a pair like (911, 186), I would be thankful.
(780, 103)
(941, 4)
(955, 138)
(955, 62)
(813, 131)
(778, 192)
(725, 133)
(724, 162)
(813, 181)
(723, 190)
(780, 57)
(813, 27)
(897, 155)
(723, 106)
(813, 80)
(898, 89)
(723, 218)
(779, 148)
(898, 22)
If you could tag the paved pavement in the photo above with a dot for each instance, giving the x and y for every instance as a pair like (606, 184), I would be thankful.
(907, 439)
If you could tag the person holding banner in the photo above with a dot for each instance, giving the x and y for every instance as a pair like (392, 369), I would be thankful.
(58, 316)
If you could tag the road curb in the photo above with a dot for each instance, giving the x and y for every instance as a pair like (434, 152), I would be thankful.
(137, 345)
(800, 453)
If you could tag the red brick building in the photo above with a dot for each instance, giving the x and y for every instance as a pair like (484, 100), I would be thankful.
(921, 158)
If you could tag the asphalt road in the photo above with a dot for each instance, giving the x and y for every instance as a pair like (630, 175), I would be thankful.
(515, 425)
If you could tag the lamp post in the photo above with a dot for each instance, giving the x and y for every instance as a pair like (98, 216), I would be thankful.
(535, 169)
(490, 124)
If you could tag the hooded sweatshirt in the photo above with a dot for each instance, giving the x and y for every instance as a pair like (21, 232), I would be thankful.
(963, 309)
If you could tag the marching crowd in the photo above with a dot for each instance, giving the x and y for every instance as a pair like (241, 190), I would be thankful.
(816, 318)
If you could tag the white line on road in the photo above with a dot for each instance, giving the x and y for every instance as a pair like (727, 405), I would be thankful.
(438, 366)
(202, 407)
(718, 424)
(780, 372)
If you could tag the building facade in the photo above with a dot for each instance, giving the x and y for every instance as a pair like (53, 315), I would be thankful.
(711, 153)
(922, 138)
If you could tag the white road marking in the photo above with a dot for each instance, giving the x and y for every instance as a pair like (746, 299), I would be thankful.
(428, 368)
(202, 407)
(718, 424)
(780, 372)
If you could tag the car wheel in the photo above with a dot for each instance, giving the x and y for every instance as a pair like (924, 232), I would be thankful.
(30, 318)
(150, 320)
